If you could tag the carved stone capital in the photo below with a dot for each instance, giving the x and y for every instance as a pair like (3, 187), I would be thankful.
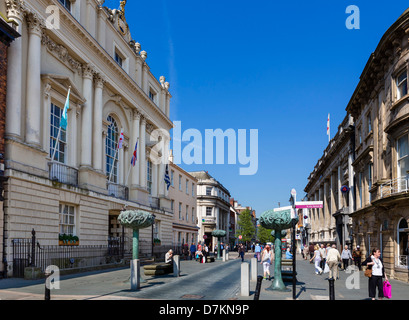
(99, 80)
(15, 10)
(136, 114)
(35, 24)
(88, 71)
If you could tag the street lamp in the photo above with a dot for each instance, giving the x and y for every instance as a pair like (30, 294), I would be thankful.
(294, 223)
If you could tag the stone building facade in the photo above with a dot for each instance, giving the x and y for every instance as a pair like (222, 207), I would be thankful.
(213, 208)
(182, 194)
(331, 224)
(82, 189)
(373, 161)
(380, 108)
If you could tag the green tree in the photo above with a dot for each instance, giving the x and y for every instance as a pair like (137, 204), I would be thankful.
(245, 226)
(264, 235)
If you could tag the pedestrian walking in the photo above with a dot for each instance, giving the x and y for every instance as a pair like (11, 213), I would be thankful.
(317, 259)
(356, 255)
(257, 250)
(378, 272)
(192, 250)
(305, 252)
(311, 251)
(323, 252)
(333, 259)
(345, 256)
(241, 252)
(266, 259)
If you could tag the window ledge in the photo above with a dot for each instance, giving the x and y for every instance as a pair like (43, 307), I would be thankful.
(397, 103)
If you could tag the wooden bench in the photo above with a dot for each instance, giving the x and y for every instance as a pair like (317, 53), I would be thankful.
(158, 269)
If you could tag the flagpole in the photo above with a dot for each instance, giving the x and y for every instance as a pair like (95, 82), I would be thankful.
(56, 144)
(116, 152)
(59, 130)
(130, 166)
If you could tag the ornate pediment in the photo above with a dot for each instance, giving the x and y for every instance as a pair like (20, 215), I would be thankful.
(117, 18)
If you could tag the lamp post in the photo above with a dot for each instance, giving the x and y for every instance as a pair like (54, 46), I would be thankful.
(294, 223)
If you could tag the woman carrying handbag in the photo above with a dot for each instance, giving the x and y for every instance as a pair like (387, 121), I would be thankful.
(375, 264)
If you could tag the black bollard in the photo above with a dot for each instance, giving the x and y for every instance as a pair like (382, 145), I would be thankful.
(258, 288)
(331, 288)
(47, 295)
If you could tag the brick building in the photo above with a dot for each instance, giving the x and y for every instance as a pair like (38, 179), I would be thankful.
(7, 35)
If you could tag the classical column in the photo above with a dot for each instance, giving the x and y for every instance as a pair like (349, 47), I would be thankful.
(33, 87)
(14, 72)
(339, 187)
(86, 123)
(351, 175)
(97, 132)
(135, 136)
(326, 212)
(142, 168)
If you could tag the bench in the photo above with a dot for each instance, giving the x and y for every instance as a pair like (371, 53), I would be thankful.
(158, 269)
(287, 276)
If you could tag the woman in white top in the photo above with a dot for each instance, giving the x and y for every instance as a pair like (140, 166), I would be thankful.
(378, 272)
(266, 258)
(317, 260)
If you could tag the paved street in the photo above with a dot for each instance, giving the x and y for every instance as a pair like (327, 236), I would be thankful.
(212, 281)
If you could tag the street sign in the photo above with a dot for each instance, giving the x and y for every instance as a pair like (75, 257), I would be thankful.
(309, 204)
(205, 237)
(240, 237)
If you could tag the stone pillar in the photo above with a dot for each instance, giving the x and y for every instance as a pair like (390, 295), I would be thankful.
(86, 125)
(139, 71)
(33, 87)
(245, 279)
(351, 175)
(142, 168)
(339, 187)
(97, 115)
(145, 73)
(14, 73)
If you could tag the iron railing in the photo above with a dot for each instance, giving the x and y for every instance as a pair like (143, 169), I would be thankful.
(403, 261)
(29, 252)
(62, 173)
(394, 186)
(118, 191)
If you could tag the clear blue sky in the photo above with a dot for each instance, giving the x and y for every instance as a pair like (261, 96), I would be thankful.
(279, 67)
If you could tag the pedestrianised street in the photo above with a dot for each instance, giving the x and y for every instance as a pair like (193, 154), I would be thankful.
(219, 280)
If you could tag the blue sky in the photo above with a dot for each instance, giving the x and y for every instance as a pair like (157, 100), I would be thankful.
(279, 68)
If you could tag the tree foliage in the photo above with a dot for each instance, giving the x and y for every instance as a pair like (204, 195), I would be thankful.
(245, 226)
(264, 235)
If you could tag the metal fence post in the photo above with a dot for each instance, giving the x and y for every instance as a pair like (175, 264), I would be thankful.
(258, 288)
(33, 248)
(331, 288)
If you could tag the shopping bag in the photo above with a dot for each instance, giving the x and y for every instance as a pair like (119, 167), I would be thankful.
(326, 268)
(387, 290)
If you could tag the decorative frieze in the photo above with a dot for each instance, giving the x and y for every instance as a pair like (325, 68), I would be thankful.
(61, 52)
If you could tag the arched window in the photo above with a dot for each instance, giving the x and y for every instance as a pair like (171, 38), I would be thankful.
(403, 250)
(111, 146)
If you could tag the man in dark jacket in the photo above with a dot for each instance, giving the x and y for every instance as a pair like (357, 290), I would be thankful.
(192, 251)
(311, 251)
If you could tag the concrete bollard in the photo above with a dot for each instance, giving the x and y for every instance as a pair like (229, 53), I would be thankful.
(245, 280)
(253, 269)
(176, 266)
(224, 255)
(135, 274)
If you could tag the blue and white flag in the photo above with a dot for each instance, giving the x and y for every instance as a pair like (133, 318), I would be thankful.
(167, 178)
(63, 122)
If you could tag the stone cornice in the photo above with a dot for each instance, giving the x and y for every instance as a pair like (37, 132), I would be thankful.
(83, 36)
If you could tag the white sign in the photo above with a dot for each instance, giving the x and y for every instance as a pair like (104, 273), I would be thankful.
(309, 205)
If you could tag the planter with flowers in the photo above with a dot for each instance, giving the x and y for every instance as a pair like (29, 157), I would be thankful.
(68, 240)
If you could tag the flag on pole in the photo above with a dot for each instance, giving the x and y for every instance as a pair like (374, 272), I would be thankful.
(328, 129)
(134, 156)
(63, 121)
(121, 139)
(167, 178)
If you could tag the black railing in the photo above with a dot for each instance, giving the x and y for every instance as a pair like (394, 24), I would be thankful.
(28, 252)
(64, 174)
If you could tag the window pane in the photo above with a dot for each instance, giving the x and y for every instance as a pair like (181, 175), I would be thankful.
(402, 147)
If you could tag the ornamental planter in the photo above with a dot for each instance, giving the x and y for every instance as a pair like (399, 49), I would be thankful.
(68, 243)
